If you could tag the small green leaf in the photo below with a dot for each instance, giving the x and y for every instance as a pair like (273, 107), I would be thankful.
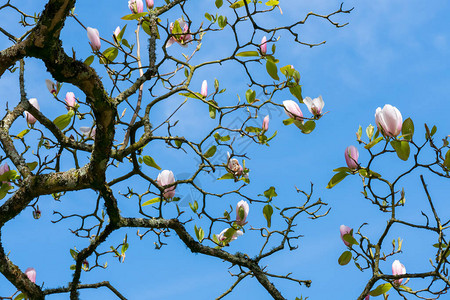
(110, 54)
(32, 165)
(64, 120)
(267, 212)
(350, 239)
(345, 258)
(222, 21)
(208, 17)
(250, 95)
(149, 161)
(272, 70)
(120, 36)
(239, 3)
(408, 129)
(22, 133)
(219, 3)
(124, 248)
(73, 253)
(342, 169)
(401, 148)
(270, 193)
(248, 53)
(146, 27)
(338, 177)
(381, 289)
(296, 91)
(211, 151)
(370, 130)
(88, 61)
(212, 109)
(447, 160)
(20, 297)
(253, 129)
(134, 16)
(151, 201)
(272, 2)
(373, 143)
(226, 176)
(306, 128)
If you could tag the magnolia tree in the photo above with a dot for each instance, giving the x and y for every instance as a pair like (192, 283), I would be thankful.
(107, 132)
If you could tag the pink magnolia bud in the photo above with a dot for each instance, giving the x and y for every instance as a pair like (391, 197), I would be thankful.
(117, 31)
(165, 178)
(389, 120)
(51, 86)
(136, 6)
(293, 110)
(221, 236)
(398, 269)
(314, 106)
(70, 100)
(351, 157)
(204, 90)
(242, 209)
(88, 131)
(31, 274)
(30, 118)
(94, 38)
(3, 169)
(263, 46)
(265, 124)
(367, 297)
(345, 230)
(150, 4)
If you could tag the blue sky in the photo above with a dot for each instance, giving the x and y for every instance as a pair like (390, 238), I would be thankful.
(391, 52)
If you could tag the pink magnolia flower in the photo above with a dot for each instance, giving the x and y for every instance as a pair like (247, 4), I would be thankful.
(117, 31)
(94, 38)
(345, 230)
(136, 6)
(88, 131)
(234, 166)
(265, 125)
(242, 210)
(398, 269)
(293, 110)
(351, 157)
(389, 120)
(165, 178)
(367, 297)
(314, 106)
(221, 236)
(3, 169)
(181, 39)
(70, 100)
(31, 274)
(204, 90)
(30, 118)
(51, 86)
(150, 4)
(263, 46)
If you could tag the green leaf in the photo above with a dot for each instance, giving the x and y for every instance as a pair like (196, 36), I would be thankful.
(177, 28)
(401, 148)
(447, 160)
(287, 70)
(250, 95)
(373, 143)
(32, 165)
(218, 137)
(226, 176)
(270, 193)
(88, 61)
(211, 151)
(381, 289)
(8, 176)
(208, 17)
(338, 177)
(73, 253)
(306, 128)
(368, 173)
(288, 121)
(239, 3)
(370, 130)
(64, 120)
(272, 2)
(219, 3)
(22, 133)
(296, 91)
(146, 27)
(248, 53)
(253, 129)
(192, 95)
(267, 212)
(272, 70)
(345, 258)
(194, 206)
(124, 248)
(110, 54)
(199, 233)
(350, 239)
(342, 169)
(120, 36)
(20, 297)
(222, 21)
(151, 201)
(134, 16)
(408, 129)
(212, 109)
(149, 161)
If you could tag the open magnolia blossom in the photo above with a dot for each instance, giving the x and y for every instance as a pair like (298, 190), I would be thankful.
(398, 269)
(221, 236)
(351, 157)
(345, 230)
(242, 210)
(389, 120)
(315, 106)
(181, 38)
(51, 86)
(30, 118)
(165, 178)
(31, 274)
(94, 38)
(234, 166)
(292, 109)
(136, 6)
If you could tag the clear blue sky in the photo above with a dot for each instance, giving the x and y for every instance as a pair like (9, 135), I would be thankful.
(391, 52)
